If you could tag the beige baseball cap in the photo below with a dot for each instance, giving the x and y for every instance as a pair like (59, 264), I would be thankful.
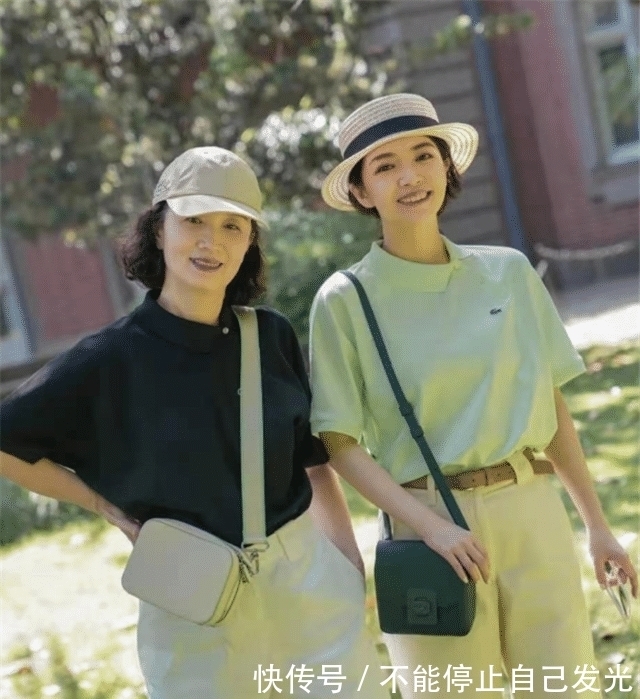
(210, 179)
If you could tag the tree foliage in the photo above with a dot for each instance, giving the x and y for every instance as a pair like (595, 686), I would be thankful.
(98, 95)
(308, 248)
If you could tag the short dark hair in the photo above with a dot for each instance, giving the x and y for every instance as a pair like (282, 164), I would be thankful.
(454, 182)
(143, 261)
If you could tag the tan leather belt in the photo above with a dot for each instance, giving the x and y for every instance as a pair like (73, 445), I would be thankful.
(485, 476)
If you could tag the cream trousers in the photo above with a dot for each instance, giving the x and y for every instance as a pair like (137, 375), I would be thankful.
(303, 615)
(530, 615)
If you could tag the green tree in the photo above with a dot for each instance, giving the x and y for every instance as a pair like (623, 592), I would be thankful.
(97, 95)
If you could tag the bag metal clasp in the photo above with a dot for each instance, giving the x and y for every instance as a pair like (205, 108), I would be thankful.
(251, 554)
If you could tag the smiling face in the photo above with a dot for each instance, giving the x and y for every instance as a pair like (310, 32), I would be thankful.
(203, 253)
(405, 179)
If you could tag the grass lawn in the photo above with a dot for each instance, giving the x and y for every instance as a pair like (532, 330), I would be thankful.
(605, 403)
(67, 583)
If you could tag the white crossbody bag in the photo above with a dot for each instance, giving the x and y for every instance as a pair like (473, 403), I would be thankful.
(190, 572)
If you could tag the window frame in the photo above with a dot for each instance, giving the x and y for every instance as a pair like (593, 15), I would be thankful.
(6, 327)
(609, 36)
(15, 345)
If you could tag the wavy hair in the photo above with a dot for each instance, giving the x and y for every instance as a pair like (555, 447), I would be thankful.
(143, 261)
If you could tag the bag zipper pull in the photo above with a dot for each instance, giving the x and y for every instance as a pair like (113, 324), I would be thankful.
(249, 565)
(254, 557)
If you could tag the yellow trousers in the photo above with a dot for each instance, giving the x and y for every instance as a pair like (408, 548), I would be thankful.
(298, 625)
(531, 615)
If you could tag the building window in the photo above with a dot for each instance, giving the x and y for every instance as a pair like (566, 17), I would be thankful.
(5, 327)
(14, 346)
(611, 38)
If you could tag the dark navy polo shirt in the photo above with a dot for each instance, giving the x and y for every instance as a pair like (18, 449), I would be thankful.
(147, 413)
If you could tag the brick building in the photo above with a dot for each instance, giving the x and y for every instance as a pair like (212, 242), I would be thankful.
(557, 111)
(574, 150)
(556, 174)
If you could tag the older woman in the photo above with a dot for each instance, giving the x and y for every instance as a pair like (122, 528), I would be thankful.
(146, 412)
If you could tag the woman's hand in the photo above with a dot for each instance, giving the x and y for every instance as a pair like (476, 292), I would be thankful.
(114, 515)
(464, 552)
(460, 548)
(604, 548)
(330, 513)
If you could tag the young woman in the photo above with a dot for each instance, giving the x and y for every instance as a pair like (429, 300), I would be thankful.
(480, 352)
(146, 414)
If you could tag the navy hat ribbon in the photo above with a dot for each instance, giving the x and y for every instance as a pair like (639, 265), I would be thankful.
(387, 128)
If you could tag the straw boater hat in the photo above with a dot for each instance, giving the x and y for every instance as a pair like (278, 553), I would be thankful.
(385, 119)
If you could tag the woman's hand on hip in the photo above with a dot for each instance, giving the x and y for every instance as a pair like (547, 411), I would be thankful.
(114, 515)
(462, 549)
(604, 548)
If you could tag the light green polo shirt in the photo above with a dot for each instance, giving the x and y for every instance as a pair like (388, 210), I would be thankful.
(477, 345)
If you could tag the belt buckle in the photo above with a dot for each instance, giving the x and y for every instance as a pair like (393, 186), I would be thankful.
(479, 475)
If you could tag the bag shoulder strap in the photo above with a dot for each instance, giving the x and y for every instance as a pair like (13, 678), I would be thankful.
(405, 407)
(251, 430)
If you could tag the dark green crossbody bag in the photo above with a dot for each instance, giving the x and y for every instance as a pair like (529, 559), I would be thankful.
(417, 591)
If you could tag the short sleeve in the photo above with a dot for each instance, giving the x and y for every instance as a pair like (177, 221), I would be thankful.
(563, 358)
(336, 378)
(309, 450)
(51, 415)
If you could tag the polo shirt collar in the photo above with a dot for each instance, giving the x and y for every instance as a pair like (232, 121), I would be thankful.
(197, 337)
(414, 275)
